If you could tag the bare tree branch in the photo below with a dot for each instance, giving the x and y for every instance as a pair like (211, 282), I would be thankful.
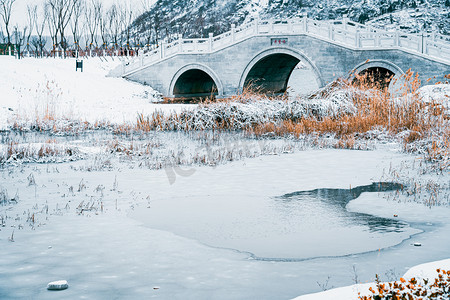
(40, 21)
(77, 30)
(92, 20)
(61, 13)
(31, 18)
(5, 13)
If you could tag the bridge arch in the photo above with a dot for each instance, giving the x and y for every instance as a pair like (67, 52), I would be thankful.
(195, 80)
(271, 69)
(381, 70)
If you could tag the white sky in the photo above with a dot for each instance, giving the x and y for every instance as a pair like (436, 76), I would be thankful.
(19, 14)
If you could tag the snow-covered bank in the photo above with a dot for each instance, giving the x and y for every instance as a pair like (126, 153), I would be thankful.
(422, 271)
(36, 89)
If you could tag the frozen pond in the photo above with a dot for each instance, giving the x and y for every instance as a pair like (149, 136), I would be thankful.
(258, 227)
(295, 226)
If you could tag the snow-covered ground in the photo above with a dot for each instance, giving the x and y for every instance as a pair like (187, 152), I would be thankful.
(33, 89)
(94, 228)
(116, 227)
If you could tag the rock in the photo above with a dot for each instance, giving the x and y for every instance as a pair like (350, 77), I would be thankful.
(417, 244)
(57, 285)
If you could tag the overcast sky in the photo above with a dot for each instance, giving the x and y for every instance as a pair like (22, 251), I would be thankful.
(19, 14)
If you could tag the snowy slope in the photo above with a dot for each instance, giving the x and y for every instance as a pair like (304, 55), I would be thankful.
(33, 89)
(196, 18)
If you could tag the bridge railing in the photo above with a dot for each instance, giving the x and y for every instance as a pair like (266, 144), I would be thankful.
(318, 28)
(343, 32)
(409, 42)
(222, 39)
(346, 37)
(437, 49)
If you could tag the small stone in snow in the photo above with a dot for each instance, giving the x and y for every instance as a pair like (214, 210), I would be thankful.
(395, 216)
(156, 287)
(57, 285)
(10, 109)
(417, 244)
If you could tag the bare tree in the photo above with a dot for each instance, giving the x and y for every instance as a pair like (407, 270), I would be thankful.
(114, 24)
(40, 21)
(52, 24)
(61, 12)
(92, 20)
(156, 27)
(5, 13)
(19, 37)
(104, 28)
(127, 19)
(75, 23)
(31, 17)
(148, 33)
(147, 4)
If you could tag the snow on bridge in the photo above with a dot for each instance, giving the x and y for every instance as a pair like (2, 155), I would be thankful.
(264, 53)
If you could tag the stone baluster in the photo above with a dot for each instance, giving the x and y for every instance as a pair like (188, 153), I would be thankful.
(345, 22)
(161, 49)
(358, 39)
(210, 42)
(305, 22)
(397, 38)
(233, 32)
(289, 26)
(331, 31)
(421, 40)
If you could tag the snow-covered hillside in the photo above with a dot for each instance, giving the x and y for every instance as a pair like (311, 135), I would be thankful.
(197, 18)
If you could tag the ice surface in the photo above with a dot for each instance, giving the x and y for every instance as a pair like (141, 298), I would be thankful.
(106, 254)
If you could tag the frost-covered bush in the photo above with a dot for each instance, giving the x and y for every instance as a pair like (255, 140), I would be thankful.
(437, 289)
(244, 113)
(41, 152)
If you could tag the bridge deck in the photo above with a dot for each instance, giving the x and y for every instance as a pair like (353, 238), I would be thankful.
(340, 32)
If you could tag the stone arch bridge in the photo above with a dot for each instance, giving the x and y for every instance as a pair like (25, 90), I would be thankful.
(265, 53)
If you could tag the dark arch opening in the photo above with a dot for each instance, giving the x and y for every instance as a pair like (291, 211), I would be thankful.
(271, 73)
(377, 77)
(195, 83)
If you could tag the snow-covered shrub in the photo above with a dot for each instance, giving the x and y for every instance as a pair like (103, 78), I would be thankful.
(438, 94)
(437, 289)
(238, 114)
(49, 151)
